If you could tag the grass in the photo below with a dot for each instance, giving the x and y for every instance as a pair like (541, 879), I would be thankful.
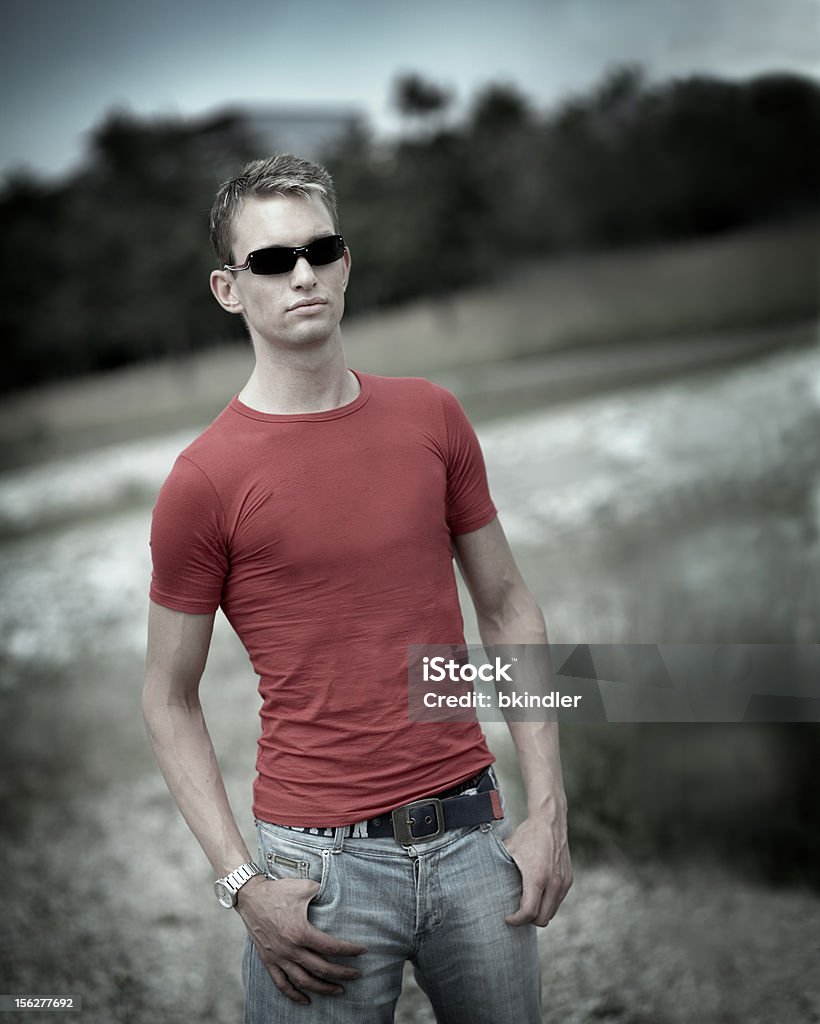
(111, 897)
(693, 847)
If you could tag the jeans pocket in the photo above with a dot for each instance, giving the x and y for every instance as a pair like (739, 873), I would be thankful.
(501, 846)
(283, 857)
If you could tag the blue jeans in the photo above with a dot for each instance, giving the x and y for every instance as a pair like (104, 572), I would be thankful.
(440, 904)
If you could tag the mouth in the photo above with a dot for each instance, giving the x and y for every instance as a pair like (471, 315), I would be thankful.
(307, 304)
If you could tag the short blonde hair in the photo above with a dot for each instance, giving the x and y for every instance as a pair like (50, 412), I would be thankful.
(282, 175)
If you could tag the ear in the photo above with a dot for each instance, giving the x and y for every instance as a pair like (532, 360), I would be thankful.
(346, 261)
(223, 285)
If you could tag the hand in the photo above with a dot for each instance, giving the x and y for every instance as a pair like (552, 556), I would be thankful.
(540, 850)
(290, 947)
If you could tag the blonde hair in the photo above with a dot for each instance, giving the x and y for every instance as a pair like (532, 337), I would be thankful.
(282, 175)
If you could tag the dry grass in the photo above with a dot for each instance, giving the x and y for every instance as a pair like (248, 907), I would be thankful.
(111, 895)
(107, 893)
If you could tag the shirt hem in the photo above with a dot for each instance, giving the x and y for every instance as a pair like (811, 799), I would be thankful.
(191, 607)
(272, 817)
(471, 525)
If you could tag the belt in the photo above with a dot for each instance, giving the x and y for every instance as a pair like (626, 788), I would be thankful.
(431, 816)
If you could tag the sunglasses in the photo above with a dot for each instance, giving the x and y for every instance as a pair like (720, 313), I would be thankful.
(279, 259)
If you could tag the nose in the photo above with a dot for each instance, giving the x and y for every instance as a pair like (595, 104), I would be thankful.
(302, 275)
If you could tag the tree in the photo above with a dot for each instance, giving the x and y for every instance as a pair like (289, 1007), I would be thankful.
(419, 100)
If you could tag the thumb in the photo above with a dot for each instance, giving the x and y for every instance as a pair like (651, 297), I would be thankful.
(527, 908)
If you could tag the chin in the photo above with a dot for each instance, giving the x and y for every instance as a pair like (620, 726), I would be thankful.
(310, 335)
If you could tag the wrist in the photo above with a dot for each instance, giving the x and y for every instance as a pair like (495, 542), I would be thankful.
(550, 807)
(248, 890)
(227, 888)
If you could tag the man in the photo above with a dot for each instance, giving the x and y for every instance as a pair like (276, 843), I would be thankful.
(321, 510)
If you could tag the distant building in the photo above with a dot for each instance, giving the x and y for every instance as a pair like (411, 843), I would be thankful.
(305, 130)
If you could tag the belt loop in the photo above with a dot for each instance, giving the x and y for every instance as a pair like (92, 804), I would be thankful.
(339, 838)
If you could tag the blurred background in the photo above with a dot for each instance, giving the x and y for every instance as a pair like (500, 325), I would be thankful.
(598, 225)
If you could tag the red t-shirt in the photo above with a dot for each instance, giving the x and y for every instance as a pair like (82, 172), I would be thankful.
(326, 538)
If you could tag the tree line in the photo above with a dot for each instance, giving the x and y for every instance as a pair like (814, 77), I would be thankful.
(110, 265)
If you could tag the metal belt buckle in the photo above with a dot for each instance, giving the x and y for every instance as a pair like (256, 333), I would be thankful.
(403, 822)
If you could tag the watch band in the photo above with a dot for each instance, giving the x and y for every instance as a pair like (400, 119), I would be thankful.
(226, 888)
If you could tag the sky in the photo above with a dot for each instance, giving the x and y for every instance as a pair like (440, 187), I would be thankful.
(65, 63)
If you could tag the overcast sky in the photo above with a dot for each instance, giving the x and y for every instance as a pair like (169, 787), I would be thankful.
(64, 63)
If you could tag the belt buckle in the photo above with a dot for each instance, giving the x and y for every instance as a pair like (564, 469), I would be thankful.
(403, 826)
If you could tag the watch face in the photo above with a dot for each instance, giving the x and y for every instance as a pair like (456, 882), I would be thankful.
(224, 895)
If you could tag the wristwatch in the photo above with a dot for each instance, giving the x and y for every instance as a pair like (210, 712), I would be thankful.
(226, 888)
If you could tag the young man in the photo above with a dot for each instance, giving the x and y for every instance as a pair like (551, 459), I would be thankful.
(322, 510)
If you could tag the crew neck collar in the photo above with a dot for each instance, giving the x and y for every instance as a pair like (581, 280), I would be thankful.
(327, 414)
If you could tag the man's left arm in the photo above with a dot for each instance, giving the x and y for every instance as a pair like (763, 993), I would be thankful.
(508, 613)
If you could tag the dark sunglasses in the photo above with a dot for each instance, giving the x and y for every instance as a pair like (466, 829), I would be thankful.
(279, 259)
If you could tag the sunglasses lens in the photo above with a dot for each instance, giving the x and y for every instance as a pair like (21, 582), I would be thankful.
(325, 250)
(272, 261)
(280, 260)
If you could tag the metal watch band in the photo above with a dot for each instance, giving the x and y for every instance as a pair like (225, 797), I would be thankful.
(226, 888)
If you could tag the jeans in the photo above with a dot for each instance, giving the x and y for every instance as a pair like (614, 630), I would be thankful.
(440, 904)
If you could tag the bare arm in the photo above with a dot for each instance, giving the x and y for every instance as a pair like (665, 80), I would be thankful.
(509, 614)
(177, 650)
(275, 914)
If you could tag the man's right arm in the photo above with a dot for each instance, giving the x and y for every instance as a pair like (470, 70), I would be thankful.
(291, 948)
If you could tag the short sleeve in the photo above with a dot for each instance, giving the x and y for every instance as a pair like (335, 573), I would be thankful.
(469, 505)
(188, 548)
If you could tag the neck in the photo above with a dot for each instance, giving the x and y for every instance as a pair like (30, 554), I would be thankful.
(299, 380)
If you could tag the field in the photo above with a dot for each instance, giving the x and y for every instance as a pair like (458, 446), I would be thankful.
(658, 475)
